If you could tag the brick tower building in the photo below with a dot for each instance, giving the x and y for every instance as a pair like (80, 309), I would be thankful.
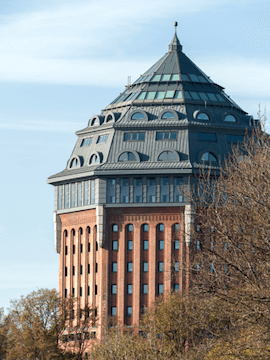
(119, 207)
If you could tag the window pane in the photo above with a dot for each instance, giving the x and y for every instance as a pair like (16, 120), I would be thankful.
(161, 244)
(176, 245)
(150, 95)
(176, 287)
(145, 266)
(79, 194)
(177, 183)
(159, 135)
(130, 245)
(115, 228)
(114, 267)
(137, 190)
(176, 266)
(60, 197)
(130, 228)
(145, 289)
(129, 311)
(86, 192)
(129, 289)
(161, 266)
(164, 189)
(145, 245)
(168, 114)
(124, 190)
(114, 289)
(165, 77)
(151, 190)
(160, 288)
(175, 77)
(160, 94)
(129, 266)
(111, 191)
(72, 195)
(169, 94)
(178, 95)
(114, 311)
(115, 245)
(92, 184)
(145, 227)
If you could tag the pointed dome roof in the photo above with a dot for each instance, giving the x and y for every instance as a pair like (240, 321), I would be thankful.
(173, 79)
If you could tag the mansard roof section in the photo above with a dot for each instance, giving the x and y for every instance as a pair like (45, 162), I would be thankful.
(176, 79)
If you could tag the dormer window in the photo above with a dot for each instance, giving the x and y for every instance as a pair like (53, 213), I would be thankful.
(208, 157)
(230, 118)
(86, 142)
(94, 159)
(168, 115)
(137, 116)
(127, 156)
(102, 138)
(94, 122)
(202, 116)
(74, 163)
(167, 155)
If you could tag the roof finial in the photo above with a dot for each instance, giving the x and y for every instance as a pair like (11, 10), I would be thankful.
(175, 44)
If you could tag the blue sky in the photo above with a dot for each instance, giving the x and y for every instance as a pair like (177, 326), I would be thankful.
(63, 61)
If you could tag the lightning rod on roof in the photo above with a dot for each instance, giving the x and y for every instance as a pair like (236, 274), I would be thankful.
(175, 25)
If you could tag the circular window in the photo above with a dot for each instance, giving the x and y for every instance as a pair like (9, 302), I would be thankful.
(208, 157)
(202, 116)
(94, 159)
(127, 156)
(168, 115)
(137, 116)
(230, 118)
(74, 163)
(166, 155)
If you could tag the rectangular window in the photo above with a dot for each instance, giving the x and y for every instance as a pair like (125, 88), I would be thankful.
(60, 197)
(114, 289)
(88, 269)
(80, 291)
(176, 288)
(86, 142)
(81, 248)
(73, 195)
(115, 245)
(81, 270)
(102, 138)
(161, 244)
(176, 244)
(161, 266)
(164, 189)
(124, 190)
(145, 289)
(129, 311)
(113, 311)
(95, 289)
(134, 136)
(74, 249)
(96, 267)
(65, 293)
(137, 190)
(73, 270)
(66, 250)
(79, 194)
(176, 266)
(130, 245)
(86, 192)
(66, 271)
(151, 190)
(111, 191)
(92, 197)
(177, 190)
(207, 137)
(160, 288)
(114, 267)
(89, 247)
(129, 267)
(234, 138)
(166, 135)
(66, 203)
(198, 245)
(88, 290)
(129, 289)
(145, 245)
(145, 266)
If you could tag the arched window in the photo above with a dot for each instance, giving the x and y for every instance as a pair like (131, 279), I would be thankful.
(88, 230)
(65, 233)
(94, 159)
(109, 118)
(145, 227)
(176, 227)
(94, 121)
(168, 115)
(127, 156)
(137, 116)
(130, 227)
(203, 116)
(74, 163)
(80, 231)
(73, 232)
(114, 228)
(166, 155)
(207, 156)
(230, 118)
